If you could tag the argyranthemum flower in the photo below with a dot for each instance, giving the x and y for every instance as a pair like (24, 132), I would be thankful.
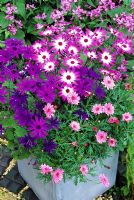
(42, 56)
(108, 82)
(57, 175)
(106, 58)
(91, 54)
(75, 125)
(84, 169)
(72, 49)
(127, 117)
(104, 180)
(97, 109)
(108, 109)
(73, 98)
(38, 127)
(45, 169)
(49, 110)
(65, 90)
(49, 66)
(112, 142)
(101, 136)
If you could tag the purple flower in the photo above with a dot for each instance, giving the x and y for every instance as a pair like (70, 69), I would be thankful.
(14, 47)
(1, 129)
(100, 93)
(18, 100)
(53, 123)
(27, 141)
(49, 146)
(38, 127)
(47, 94)
(83, 115)
(23, 117)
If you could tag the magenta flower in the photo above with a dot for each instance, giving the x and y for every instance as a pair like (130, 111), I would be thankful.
(101, 137)
(45, 169)
(84, 169)
(127, 117)
(108, 109)
(112, 142)
(75, 125)
(104, 180)
(57, 175)
(106, 58)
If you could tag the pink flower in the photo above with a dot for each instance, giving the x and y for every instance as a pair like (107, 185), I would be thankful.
(57, 175)
(101, 136)
(73, 98)
(112, 142)
(113, 120)
(75, 125)
(97, 109)
(108, 82)
(49, 110)
(45, 169)
(74, 143)
(127, 117)
(104, 180)
(84, 169)
(108, 109)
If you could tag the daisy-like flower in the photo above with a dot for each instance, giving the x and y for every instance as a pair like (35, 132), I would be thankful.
(113, 120)
(84, 169)
(46, 32)
(59, 44)
(108, 82)
(37, 46)
(45, 169)
(106, 58)
(57, 175)
(43, 56)
(124, 45)
(97, 109)
(68, 76)
(49, 110)
(73, 98)
(72, 49)
(49, 66)
(73, 62)
(85, 41)
(99, 34)
(38, 128)
(127, 117)
(108, 109)
(112, 142)
(91, 54)
(64, 91)
(101, 137)
(104, 180)
(75, 125)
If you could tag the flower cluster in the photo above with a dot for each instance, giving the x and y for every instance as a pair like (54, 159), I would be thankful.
(67, 97)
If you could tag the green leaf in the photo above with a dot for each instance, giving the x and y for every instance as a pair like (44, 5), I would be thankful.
(3, 21)
(20, 132)
(127, 2)
(9, 84)
(20, 34)
(21, 8)
(91, 3)
(115, 11)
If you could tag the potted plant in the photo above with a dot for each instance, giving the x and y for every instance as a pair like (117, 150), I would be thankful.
(66, 108)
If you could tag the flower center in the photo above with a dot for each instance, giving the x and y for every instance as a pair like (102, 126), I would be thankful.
(67, 90)
(44, 57)
(85, 40)
(106, 57)
(72, 62)
(60, 43)
(38, 126)
(68, 77)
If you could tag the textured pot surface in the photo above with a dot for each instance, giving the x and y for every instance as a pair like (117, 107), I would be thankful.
(68, 191)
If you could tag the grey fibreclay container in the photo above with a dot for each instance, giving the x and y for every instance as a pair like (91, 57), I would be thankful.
(68, 191)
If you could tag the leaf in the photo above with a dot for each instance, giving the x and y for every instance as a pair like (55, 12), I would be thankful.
(20, 34)
(3, 21)
(20, 132)
(115, 11)
(9, 84)
(127, 2)
(21, 8)
(91, 3)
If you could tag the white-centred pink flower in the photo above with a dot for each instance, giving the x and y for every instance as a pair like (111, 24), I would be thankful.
(127, 117)
(49, 110)
(101, 136)
(84, 169)
(75, 125)
(104, 180)
(57, 175)
(45, 169)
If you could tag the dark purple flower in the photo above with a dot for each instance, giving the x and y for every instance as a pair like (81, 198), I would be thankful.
(83, 115)
(33, 70)
(23, 117)
(12, 72)
(53, 123)
(49, 146)
(18, 100)
(27, 141)
(47, 94)
(38, 127)
(100, 93)
(1, 129)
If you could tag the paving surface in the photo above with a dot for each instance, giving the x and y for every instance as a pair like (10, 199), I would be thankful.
(12, 185)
